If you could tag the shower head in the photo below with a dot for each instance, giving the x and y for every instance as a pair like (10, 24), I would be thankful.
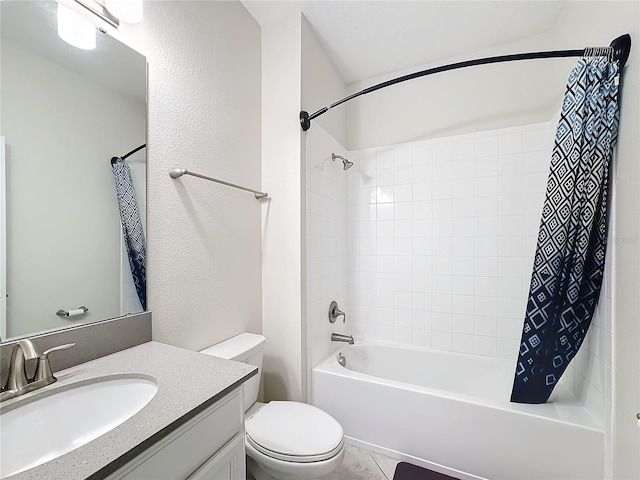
(346, 163)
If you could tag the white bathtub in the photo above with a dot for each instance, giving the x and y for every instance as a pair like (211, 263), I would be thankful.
(451, 412)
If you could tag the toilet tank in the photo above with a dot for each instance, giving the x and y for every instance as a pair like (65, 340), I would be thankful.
(245, 348)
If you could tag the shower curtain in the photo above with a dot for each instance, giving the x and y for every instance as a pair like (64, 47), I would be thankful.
(131, 227)
(570, 254)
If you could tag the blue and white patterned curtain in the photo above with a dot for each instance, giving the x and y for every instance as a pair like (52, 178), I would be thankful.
(572, 240)
(131, 227)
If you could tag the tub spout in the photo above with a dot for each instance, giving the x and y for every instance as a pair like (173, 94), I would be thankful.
(338, 337)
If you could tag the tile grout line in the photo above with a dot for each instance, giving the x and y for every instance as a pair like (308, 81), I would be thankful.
(379, 467)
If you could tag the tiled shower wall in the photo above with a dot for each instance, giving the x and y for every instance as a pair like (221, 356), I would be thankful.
(441, 238)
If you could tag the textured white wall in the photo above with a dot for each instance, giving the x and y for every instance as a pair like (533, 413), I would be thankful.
(63, 224)
(322, 85)
(282, 174)
(204, 114)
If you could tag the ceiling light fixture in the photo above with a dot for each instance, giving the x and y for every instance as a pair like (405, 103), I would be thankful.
(128, 11)
(79, 19)
(74, 29)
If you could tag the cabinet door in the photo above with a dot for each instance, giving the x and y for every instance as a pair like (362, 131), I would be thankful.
(227, 464)
(186, 449)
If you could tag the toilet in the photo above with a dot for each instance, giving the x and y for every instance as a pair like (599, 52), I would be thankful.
(283, 440)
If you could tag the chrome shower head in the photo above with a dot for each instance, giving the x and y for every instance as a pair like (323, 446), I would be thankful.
(345, 163)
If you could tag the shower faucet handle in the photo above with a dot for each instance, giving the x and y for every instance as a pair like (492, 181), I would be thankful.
(335, 312)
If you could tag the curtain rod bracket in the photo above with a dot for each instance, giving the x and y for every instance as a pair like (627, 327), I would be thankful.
(305, 122)
(621, 48)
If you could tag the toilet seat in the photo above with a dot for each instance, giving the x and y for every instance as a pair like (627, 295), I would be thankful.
(294, 432)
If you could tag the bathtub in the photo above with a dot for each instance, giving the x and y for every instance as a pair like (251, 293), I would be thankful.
(451, 412)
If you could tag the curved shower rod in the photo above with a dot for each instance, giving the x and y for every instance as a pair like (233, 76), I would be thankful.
(621, 47)
(124, 157)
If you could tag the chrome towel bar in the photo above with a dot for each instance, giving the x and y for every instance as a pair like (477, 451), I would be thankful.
(178, 172)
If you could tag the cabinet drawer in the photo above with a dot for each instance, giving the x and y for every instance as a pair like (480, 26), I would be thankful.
(183, 451)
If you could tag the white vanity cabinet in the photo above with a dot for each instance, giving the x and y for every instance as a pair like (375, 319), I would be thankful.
(210, 446)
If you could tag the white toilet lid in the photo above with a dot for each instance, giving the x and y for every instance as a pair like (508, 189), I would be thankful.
(294, 431)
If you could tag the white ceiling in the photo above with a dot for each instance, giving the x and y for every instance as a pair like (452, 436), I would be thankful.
(367, 38)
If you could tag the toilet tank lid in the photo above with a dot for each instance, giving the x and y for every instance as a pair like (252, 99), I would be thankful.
(239, 347)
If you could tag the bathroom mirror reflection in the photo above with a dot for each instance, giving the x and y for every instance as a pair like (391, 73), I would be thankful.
(64, 113)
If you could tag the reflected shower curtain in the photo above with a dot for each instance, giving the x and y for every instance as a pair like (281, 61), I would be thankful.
(131, 227)
(570, 254)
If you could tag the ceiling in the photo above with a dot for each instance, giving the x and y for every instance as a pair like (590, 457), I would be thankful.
(368, 38)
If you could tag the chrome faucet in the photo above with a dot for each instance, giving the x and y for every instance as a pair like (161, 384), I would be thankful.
(18, 383)
(338, 337)
(22, 351)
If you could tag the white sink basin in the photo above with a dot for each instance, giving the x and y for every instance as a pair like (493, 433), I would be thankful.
(52, 425)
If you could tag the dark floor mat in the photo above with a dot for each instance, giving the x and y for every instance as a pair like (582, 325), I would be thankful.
(407, 471)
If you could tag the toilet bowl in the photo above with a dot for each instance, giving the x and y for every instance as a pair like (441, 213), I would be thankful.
(283, 440)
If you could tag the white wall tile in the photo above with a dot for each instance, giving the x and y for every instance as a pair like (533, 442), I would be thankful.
(402, 156)
(442, 150)
(384, 333)
(463, 148)
(463, 323)
(486, 145)
(463, 304)
(440, 242)
(535, 139)
(486, 166)
(486, 206)
(485, 346)
(464, 265)
(464, 188)
(441, 340)
(421, 338)
(509, 141)
(462, 343)
(462, 169)
(486, 186)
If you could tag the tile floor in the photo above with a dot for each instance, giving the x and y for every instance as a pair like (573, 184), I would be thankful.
(359, 464)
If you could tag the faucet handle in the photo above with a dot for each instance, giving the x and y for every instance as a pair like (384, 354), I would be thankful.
(335, 312)
(59, 347)
(43, 369)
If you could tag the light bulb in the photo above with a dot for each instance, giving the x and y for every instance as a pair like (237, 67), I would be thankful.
(128, 11)
(75, 29)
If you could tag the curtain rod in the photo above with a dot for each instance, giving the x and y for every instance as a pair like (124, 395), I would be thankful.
(133, 151)
(621, 47)
(123, 157)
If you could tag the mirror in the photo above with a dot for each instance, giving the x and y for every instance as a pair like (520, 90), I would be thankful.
(64, 113)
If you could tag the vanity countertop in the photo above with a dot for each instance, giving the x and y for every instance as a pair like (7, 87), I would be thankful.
(188, 382)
